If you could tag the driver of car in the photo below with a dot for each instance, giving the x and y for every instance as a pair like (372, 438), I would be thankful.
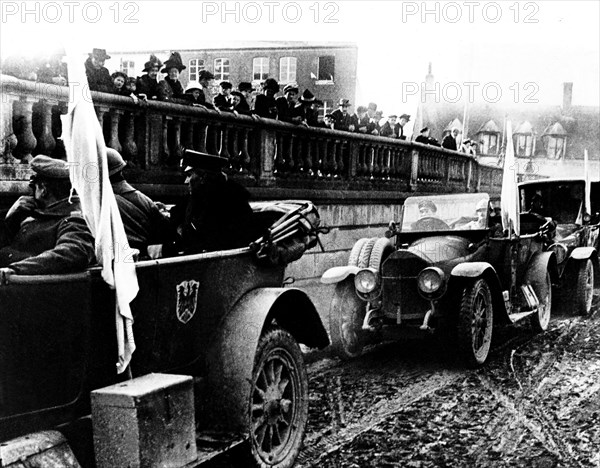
(428, 218)
(427, 209)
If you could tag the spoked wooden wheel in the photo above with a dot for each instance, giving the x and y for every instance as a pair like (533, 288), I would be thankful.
(475, 323)
(279, 400)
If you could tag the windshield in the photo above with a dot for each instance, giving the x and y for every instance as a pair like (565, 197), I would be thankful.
(446, 212)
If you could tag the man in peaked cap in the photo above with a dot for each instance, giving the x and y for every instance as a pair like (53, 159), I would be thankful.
(425, 139)
(144, 223)
(218, 215)
(147, 84)
(388, 129)
(288, 109)
(97, 74)
(206, 78)
(45, 232)
(343, 120)
(223, 100)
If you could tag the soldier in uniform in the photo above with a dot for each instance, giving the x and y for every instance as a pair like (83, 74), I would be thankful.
(143, 221)
(218, 215)
(45, 232)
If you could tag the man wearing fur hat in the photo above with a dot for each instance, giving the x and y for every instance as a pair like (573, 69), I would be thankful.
(97, 74)
(45, 232)
(170, 89)
(147, 84)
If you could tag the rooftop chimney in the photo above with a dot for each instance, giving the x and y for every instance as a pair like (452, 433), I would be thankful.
(567, 97)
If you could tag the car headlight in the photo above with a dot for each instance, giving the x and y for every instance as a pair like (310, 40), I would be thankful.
(430, 280)
(366, 280)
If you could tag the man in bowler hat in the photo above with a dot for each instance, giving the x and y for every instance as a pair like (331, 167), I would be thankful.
(97, 74)
(45, 232)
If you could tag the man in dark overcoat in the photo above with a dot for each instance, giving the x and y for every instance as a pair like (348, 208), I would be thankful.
(97, 74)
(218, 215)
(343, 120)
(45, 232)
(449, 141)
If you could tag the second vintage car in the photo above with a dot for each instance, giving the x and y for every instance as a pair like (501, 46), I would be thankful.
(452, 269)
(576, 239)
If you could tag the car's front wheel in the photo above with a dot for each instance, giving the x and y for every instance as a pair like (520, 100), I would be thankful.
(346, 316)
(584, 288)
(475, 323)
(543, 289)
(279, 400)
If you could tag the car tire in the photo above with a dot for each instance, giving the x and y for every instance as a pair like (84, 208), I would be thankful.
(543, 290)
(278, 411)
(355, 252)
(365, 253)
(346, 316)
(381, 250)
(584, 288)
(475, 323)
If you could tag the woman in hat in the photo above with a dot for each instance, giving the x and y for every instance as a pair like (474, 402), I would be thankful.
(147, 85)
(265, 105)
(194, 94)
(311, 106)
(97, 74)
(171, 89)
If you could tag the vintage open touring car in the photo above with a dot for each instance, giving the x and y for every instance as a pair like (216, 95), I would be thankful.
(577, 238)
(223, 318)
(451, 270)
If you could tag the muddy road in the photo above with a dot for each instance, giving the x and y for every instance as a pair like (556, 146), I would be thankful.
(411, 403)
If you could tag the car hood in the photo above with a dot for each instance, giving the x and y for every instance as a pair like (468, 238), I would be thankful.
(440, 249)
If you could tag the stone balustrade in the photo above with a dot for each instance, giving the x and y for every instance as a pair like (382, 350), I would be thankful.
(274, 159)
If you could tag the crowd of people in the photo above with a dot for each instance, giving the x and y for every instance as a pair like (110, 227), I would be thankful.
(292, 106)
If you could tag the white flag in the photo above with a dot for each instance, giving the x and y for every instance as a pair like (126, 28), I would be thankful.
(86, 154)
(509, 198)
(588, 183)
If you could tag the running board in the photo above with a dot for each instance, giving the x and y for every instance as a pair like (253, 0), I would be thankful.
(212, 444)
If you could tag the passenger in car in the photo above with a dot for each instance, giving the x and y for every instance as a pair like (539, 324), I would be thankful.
(144, 222)
(45, 232)
(218, 215)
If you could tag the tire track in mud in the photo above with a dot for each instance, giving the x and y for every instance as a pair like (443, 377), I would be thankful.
(318, 445)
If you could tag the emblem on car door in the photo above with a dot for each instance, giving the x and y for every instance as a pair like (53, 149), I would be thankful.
(187, 297)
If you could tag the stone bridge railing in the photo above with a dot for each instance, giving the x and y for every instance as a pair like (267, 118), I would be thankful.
(274, 159)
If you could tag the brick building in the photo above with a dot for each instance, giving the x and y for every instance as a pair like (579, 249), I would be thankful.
(328, 69)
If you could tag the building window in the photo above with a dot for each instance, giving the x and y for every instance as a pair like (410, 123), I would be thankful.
(287, 69)
(128, 67)
(260, 68)
(326, 69)
(489, 143)
(327, 108)
(524, 145)
(195, 67)
(221, 69)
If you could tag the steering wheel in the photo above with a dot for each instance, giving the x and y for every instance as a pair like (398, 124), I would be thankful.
(430, 223)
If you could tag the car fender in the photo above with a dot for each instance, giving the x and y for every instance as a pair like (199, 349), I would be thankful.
(487, 271)
(539, 264)
(50, 448)
(339, 274)
(471, 269)
(583, 253)
(230, 357)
